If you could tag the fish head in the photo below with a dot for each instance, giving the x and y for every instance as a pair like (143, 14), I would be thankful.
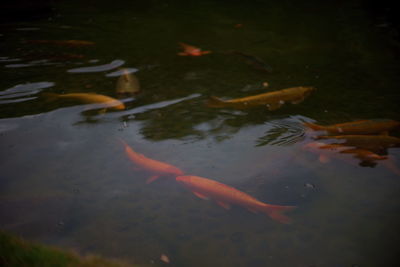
(175, 171)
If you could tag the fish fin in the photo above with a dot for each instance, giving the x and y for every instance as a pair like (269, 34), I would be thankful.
(323, 158)
(224, 205)
(182, 54)
(152, 179)
(298, 100)
(252, 210)
(215, 102)
(276, 213)
(102, 111)
(200, 195)
(274, 106)
(313, 126)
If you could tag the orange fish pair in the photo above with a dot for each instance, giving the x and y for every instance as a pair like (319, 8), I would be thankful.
(205, 188)
(190, 50)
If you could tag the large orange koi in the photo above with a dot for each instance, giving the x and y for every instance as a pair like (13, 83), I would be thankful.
(157, 168)
(190, 50)
(225, 195)
(357, 127)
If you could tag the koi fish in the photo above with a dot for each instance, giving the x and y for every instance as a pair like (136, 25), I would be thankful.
(127, 84)
(326, 151)
(256, 62)
(157, 168)
(226, 195)
(357, 127)
(272, 100)
(190, 50)
(88, 98)
(63, 42)
(371, 142)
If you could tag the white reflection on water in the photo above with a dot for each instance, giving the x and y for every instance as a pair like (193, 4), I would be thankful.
(120, 72)
(15, 93)
(114, 64)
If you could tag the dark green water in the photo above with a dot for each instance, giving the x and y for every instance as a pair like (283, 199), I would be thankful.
(66, 181)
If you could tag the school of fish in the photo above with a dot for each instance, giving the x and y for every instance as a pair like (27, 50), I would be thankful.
(366, 141)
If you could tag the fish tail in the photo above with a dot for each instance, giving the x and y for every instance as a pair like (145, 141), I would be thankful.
(313, 126)
(215, 102)
(50, 96)
(276, 213)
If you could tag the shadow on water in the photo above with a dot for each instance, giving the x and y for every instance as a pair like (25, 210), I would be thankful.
(66, 180)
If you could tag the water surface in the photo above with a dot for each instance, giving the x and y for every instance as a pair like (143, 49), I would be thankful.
(66, 180)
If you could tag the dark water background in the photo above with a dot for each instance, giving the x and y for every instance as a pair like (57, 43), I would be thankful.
(66, 181)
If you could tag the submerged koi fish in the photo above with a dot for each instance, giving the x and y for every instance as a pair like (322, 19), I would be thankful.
(256, 62)
(89, 98)
(190, 50)
(157, 168)
(127, 84)
(273, 100)
(326, 151)
(372, 142)
(357, 127)
(63, 42)
(225, 195)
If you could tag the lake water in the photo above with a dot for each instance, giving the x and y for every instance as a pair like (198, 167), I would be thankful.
(65, 177)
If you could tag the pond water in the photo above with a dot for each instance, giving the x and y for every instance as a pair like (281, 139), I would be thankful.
(67, 181)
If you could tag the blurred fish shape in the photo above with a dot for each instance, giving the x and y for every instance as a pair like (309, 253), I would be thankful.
(88, 98)
(272, 100)
(226, 195)
(375, 126)
(157, 168)
(369, 142)
(63, 42)
(190, 50)
(127, 84)
(328, 151)
(256, 62)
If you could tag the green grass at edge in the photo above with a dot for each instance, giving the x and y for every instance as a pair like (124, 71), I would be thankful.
(15, 251)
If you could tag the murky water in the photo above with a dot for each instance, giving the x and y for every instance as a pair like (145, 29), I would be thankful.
(65, 177)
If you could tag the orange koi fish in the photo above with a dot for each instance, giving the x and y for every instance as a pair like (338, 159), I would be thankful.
(190, 50)
(88, 98)
(272, 100)
(326, 151)
(157, 168)
(225, 195)
(357, 127)
(371, 142)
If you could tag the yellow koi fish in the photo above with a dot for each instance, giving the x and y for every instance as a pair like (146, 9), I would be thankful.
(225, 195)
(272, 100)
(88, 98)
(357, 127)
